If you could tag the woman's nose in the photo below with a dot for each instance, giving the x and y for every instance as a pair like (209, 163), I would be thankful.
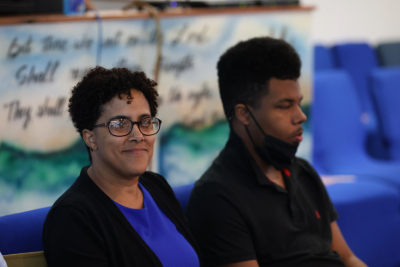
(136, 134)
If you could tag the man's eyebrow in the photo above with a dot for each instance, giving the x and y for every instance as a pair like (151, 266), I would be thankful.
(290, 100)
(285, 100)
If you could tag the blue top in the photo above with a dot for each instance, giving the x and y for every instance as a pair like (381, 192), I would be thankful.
(160, 234)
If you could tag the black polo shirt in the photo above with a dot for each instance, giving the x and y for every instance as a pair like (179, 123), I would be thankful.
(237, 214)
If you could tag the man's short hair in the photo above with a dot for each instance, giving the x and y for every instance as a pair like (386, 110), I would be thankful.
(245, 69)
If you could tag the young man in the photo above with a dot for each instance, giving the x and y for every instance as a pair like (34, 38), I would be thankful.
(259, 205)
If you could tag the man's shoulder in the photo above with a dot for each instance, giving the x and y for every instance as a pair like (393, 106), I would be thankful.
(213, 179)
(214, 191)
(220, 173)
(222, 181)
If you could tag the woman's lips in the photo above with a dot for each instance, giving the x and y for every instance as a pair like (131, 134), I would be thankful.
(135, 151)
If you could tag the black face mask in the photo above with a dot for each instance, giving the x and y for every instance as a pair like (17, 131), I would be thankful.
(274, 151)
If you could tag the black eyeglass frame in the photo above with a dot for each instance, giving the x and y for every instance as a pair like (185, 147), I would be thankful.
(132, 124)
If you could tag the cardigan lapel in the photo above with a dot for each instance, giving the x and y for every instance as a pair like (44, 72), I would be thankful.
(110, 206)
(159, 194)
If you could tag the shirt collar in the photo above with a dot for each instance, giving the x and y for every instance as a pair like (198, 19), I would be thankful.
(236, 152)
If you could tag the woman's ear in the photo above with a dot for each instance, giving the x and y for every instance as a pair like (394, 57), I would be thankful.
(89, 138)
(242, 114)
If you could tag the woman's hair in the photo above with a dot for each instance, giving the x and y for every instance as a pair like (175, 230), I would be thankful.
(99, 86)
(245, 69)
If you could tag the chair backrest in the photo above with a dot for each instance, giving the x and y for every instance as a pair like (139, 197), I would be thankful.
(182, 193)
(22, 232)
(358, 59)
(365, 207)
(336, 112)
(30, 259)
(389, 54)
(323, 59)
(386, 90)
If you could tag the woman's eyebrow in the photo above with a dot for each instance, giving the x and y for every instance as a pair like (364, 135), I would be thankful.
(145, 115)
(120, 117)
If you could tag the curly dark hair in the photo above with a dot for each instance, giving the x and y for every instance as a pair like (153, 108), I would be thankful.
(99, 86)
(245, 69)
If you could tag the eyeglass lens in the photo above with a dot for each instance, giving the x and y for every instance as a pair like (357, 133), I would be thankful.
(121, 126)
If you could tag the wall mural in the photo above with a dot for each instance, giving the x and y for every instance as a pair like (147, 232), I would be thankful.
(41, 154)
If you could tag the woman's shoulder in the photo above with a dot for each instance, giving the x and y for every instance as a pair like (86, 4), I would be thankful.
(74, 196)
(82, 195)
(73, 200)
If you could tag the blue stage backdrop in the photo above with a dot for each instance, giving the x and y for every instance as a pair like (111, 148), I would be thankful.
(41, 154)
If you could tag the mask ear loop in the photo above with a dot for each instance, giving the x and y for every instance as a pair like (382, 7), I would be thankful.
(248, 133)
(258, 125)
(247, 129)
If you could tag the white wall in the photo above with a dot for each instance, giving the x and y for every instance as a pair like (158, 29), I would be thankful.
(336, 21)
(107, 5)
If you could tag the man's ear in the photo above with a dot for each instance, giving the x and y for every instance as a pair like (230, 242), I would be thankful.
(89, 138)
(242, 114)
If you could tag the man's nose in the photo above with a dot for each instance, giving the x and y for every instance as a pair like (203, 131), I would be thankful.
(300, 117)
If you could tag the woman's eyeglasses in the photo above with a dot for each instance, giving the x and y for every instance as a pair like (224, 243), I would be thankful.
(123, 126)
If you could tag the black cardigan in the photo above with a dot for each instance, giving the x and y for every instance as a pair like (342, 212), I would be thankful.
(85, 227)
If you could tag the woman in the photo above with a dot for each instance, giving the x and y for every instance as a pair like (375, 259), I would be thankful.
(116, 213)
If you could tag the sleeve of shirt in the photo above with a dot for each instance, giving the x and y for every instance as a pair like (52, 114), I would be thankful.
(327, 200)
(69, 239)
(218, 227)
(2, 261)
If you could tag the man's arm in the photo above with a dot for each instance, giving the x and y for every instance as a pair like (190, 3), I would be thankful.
(252, 263)
(218, 227)
(340, 246)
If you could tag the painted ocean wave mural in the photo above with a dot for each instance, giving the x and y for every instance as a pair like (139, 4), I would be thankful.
(185, 152)
(30, 175)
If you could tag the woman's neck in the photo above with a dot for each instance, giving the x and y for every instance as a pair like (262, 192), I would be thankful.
(121, 190)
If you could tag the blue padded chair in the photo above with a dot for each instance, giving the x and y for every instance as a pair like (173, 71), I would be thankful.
(22, 232)
(358, 59)
(323, 59)
(389, 54)
(369, 220)
(338, 133)
(182, 193)
(386, 91)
